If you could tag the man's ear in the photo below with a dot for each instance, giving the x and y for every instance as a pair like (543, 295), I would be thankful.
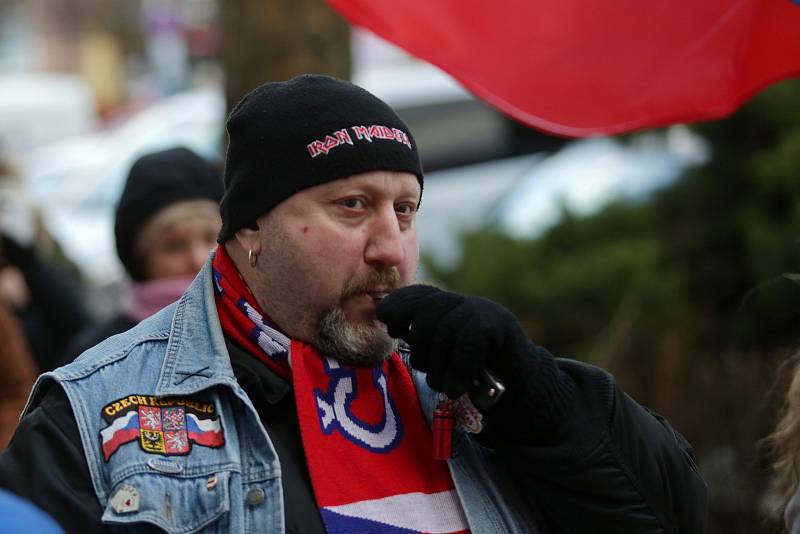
(249, 238)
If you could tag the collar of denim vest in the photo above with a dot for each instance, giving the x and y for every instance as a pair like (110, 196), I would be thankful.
(196, 356)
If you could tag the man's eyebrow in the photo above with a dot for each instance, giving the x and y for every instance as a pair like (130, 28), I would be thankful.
(372, 190)
(415, 193)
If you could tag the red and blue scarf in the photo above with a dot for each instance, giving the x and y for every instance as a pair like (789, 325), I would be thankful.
(367, 443)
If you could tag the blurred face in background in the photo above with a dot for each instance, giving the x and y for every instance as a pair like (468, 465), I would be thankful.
(177, 240)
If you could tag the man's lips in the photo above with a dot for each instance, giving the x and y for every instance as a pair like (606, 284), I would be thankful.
(373, 296)
(378, 296)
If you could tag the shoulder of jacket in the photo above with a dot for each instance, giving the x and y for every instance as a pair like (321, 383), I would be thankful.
(137, 340)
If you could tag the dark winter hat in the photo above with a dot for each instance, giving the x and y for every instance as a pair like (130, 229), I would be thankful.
(288, 136)
(156, 181)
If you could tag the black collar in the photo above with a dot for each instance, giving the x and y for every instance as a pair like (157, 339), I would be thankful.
(256, 379)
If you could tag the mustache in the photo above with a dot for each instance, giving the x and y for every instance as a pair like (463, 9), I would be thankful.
(385, 280)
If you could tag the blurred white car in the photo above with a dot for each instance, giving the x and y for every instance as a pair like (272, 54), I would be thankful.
(38, 108)
(588, 173)
(524, 195)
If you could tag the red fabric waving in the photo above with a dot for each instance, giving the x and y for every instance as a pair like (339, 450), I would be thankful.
(581, 68)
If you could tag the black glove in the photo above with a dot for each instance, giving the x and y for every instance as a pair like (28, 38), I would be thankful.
(454, 337)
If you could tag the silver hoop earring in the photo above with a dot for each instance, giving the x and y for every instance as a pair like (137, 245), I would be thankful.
(252, 259)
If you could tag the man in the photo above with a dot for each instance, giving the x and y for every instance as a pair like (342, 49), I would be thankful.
(270, 398)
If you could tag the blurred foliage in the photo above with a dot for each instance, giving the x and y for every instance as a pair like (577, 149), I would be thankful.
(568, 286)
(689, 297)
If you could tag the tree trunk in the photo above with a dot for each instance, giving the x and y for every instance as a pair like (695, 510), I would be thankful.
(270, 40)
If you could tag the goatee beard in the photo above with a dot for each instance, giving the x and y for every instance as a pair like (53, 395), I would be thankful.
(358, 344)
(364, 344)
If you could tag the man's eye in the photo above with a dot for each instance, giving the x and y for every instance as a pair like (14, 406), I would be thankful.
(405, 209)
(353, 203)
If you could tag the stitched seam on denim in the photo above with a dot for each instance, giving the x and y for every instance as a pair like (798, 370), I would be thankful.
(187, 472)
(91, 446)
(170, 357)
(111, 358)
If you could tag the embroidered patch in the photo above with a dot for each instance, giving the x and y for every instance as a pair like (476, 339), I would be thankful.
(166, 426)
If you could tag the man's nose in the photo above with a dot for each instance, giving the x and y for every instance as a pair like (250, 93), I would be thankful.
(385, 242)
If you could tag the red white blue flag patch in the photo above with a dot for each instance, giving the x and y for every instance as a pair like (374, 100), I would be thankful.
(166, 426)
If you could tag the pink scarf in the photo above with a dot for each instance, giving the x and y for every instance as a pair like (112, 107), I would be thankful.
(366, 440)
(140, 300)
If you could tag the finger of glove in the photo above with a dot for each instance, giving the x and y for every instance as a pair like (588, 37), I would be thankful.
(443, 357)
(509, 343)
(398, 308)
(471, 350)
(426, 323)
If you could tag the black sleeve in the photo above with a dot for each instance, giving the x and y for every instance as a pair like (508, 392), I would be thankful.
(45, 464)
(611, 466)
(94, 334)
(57, 311)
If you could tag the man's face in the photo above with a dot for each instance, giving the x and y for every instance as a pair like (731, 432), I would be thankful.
(331, 252)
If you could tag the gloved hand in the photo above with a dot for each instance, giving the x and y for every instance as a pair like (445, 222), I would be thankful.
(453, 337)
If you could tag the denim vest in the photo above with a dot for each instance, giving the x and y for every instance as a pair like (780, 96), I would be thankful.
(175, 364)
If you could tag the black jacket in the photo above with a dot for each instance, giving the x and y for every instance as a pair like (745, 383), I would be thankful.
(56, 311)
(94, 334)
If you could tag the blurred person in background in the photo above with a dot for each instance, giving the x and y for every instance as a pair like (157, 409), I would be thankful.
(167, 221)
(17, 373)
(785, 445)
(45, 298)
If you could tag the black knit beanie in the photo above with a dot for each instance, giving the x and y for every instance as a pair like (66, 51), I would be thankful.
(288, 136)
(156, 181)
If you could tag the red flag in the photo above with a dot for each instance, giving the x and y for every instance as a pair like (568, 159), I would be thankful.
(577, 68)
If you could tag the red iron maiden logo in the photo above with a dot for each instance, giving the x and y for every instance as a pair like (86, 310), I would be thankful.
(361, 133)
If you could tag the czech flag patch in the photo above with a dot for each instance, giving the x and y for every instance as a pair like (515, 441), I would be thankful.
(165, 426)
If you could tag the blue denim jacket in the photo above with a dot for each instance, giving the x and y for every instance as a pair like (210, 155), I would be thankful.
(180, 354)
